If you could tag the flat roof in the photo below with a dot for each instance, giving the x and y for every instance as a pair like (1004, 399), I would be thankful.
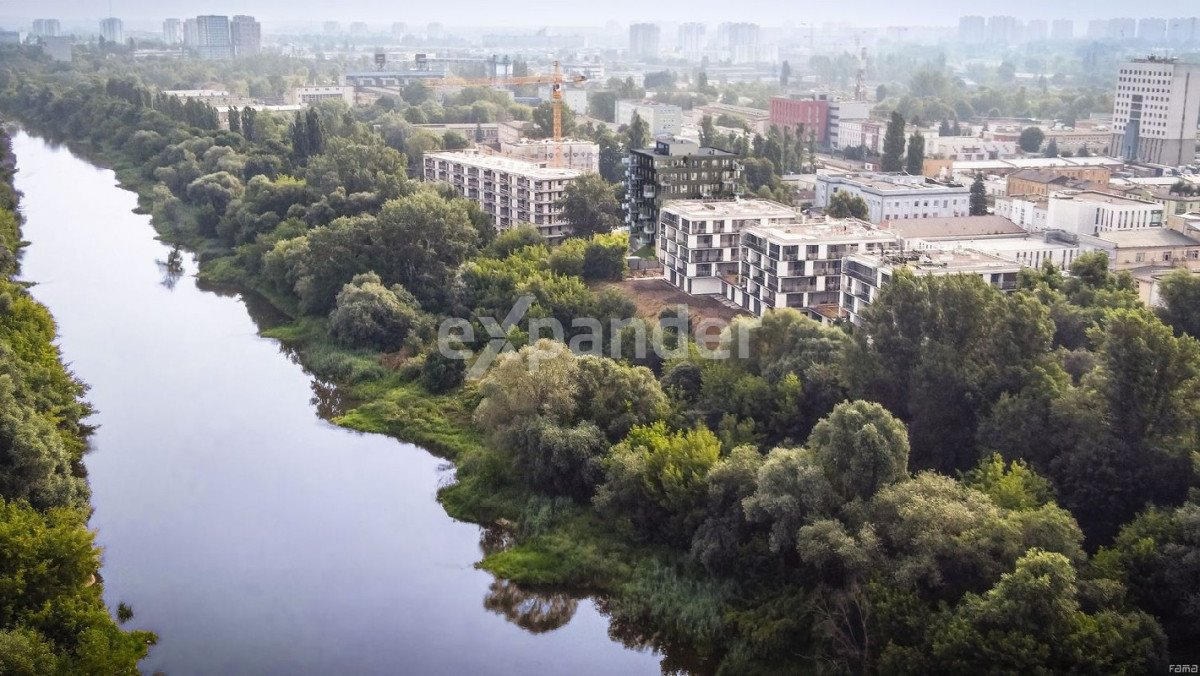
(932, 262)
(747, 208)
(1147, 237)
(1037, 163)
(509, 164)
(893, 182)
(821, 231)
(1104, 198)
(998, 245)
(952, 226)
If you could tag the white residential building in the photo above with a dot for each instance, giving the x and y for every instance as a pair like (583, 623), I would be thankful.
(662, 118)
(575, 153)
(313, 94)
(800, 265)
(1089, 212)
(1027, 211)
(699, 240)
(1155, 111)
(864, 275)
(512, 191)
(897, 196)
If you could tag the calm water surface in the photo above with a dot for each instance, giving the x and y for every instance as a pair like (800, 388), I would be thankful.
(251, 535)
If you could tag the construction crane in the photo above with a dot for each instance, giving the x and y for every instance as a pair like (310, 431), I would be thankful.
(555, 80)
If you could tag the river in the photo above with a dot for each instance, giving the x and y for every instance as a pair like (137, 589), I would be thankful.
(250, 534)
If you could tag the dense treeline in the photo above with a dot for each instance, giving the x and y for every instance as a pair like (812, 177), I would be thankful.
(970, 479)
(52, 616)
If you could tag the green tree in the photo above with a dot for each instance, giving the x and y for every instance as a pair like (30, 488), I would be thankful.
(590, 205)
(893, 144)
(1031, 139)
(844, 205)
(915, 157)
(785, 74)
(978, 199)
(368, 314)
(638, 133)
(1179, 293)
(861, 448)
(1052, 148)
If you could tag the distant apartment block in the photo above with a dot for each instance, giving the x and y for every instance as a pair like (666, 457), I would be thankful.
(213, 37)
(112, 29)
(692, 40)
(172, 30)
(662, 118)
(673, 170)
(512, 191)
(699, 240)
(245, 34)
(896, 196)
(644, 40)
(1155, 111)
(46, 28)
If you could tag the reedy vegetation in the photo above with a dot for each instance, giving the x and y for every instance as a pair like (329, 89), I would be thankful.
(886, 499)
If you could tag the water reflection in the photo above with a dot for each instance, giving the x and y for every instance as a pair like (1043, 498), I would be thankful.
(172, 268)
(534, 611)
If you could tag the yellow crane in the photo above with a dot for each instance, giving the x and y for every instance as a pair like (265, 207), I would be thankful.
(555, 80)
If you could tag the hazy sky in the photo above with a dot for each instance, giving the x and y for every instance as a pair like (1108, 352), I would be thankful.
(577, 12)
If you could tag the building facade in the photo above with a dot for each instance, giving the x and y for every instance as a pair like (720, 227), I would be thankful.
(661, 118)
(213, 39)
(699, 241)
(673, 170)
(512, 191)
(313, 94)
(245, 34)
(46, 28)
(811, 111)
(1089, 212)
(1155, 109)
(1044, 181)
(896, 196)
(112, 29)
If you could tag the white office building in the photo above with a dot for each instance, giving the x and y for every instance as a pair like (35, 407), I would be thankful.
(1155, 111)
(1089, 212)
(512, 191)
(699, 240)
(896, 196)
(662, 118)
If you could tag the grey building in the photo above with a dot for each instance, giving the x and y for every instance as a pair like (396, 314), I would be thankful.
(673, 170)
(245, 34)
(213, 37)
(1155, 109)
(644, 40)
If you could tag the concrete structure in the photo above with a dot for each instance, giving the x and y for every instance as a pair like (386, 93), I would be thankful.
(673, 170)
(1029, 212)
(213, 37)
(861, 134)
(1155, 111)
(662, 118)
(57, 47)
(644, 40)
(864, 275)
(1027, 250)
(1044, 181)
(1090, 212)
(800, 266)
(841, 112)
(245, 35)
(112, 30)
(810, 110)
(512, 191)
(172, 30)
(1156, 247)
(954, 227)
(308, 95)
(191, 33)
(46, 28)
(691, 40)
(576, 153)
(896, 196)
(699, 240)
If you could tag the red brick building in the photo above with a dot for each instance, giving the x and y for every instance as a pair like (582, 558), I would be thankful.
(810, 112)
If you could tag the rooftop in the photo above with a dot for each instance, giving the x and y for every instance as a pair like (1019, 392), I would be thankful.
(998, 245)
(823, 230)
(940, 262)
(1103, 198)
(1035, 163)
(1147, 237)
(739, 208)
(880, 182)
(952, 226)
(681, 148)
(1047, 176)
(507, 164)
